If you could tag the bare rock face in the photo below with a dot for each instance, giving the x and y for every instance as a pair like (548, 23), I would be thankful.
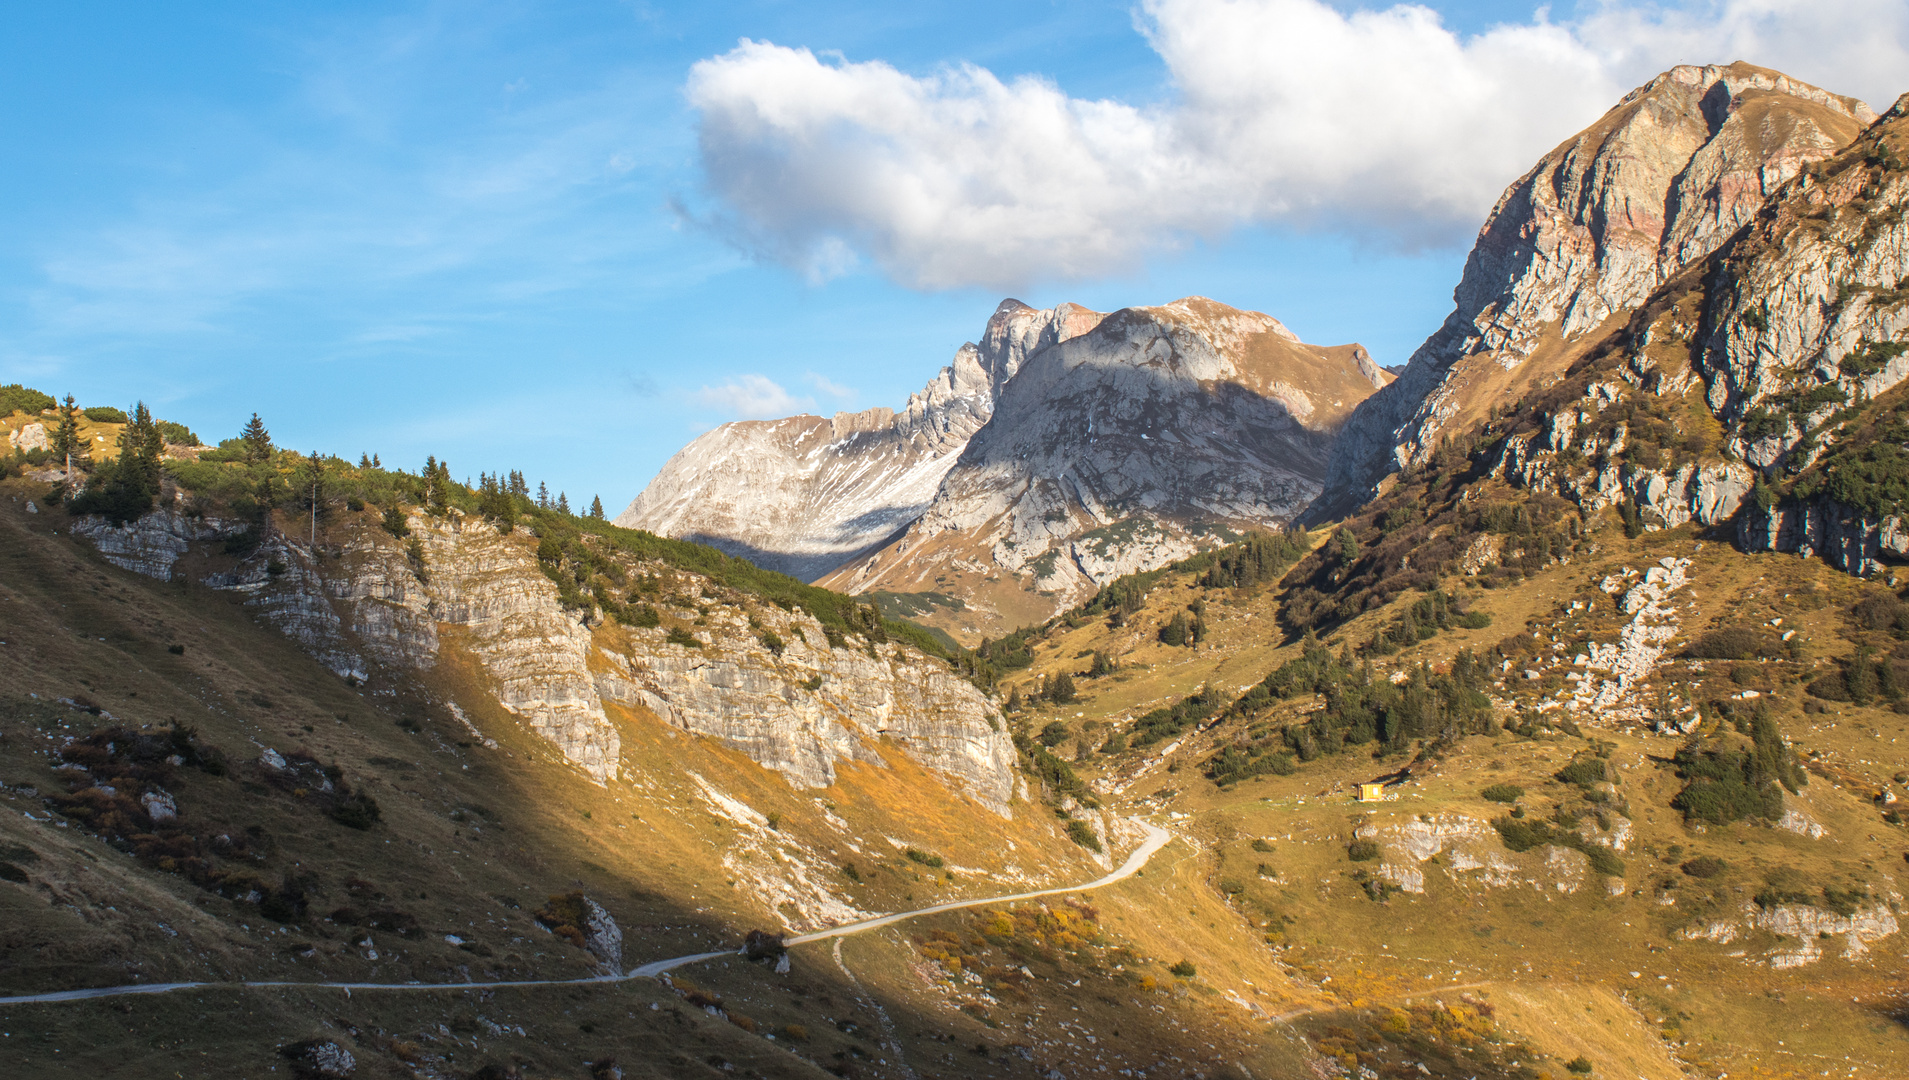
(804, 495)
(1657, 184)
(152, 544)
(1129, 446)
(368, 605)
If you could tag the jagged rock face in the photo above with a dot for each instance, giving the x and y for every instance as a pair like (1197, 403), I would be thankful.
(811, 706)
(366, 605)
(1118, 450)
(1658, 183)
(804, 495)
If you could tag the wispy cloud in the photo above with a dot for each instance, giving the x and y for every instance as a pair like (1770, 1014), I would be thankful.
(831, 388)
(752, 397)
(1383, 123)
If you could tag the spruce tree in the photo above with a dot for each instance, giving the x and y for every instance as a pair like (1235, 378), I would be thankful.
(1061, 690)
(66, 440)
(125, 488)
(375, 463)
(596, 507)
(543, 496)
(258, 441)
(563, 504)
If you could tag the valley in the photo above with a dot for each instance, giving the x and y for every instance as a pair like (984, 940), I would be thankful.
(1532, 714)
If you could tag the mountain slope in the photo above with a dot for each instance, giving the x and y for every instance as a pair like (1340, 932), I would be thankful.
(1658, 183)
(1120, 450)
(804, 495)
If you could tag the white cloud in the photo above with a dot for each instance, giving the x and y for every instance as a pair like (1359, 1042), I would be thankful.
(830, 387)
(752, 397)
(1384, 123)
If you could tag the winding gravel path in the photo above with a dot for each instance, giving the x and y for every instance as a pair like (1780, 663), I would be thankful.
(1156, 839)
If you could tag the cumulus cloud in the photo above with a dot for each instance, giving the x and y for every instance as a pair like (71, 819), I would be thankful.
(1384, 123)
(752, 397)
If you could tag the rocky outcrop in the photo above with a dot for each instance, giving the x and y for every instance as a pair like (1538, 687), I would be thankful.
(369, 604)
(805, 494)
(1125, 447)
(153, 543)
(28, 437)
(1657, 184)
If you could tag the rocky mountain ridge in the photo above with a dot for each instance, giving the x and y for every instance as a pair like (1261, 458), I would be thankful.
(1130, 446)
(803, 495)
(1661, 181)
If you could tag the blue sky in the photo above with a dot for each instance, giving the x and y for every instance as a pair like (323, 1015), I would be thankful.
(562, 238)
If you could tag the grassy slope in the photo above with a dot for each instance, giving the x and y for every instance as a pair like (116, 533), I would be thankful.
(1522, 949)
(472, 840)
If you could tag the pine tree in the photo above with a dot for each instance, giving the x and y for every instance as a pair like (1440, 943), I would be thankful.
(364, 461)
(563, 504)
(543, 496)
(258, 441)
(1175, 631)
(66, 440)
(517, 486)
(596, 507)
(375, 463)
(124, 489)
(1061, 690)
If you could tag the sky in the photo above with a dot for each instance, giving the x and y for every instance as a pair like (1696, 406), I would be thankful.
(568, 237)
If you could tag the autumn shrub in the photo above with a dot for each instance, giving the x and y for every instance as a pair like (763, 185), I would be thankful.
(1502, 793)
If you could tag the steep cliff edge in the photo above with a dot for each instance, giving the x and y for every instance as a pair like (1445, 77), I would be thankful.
(792, 694)
(805, 494)
(1123, 449)
(1657, 184)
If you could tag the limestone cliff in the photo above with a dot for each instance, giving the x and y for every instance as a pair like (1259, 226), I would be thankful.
(805, 494)
(1658, 183)
(367, 607)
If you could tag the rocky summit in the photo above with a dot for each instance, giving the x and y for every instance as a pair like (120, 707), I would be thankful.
(1658, 183)
(805, 495)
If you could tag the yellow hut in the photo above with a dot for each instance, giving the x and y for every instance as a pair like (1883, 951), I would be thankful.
(1373, 792)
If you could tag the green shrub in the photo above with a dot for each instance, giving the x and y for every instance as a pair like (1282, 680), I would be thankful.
(679, 636)
(924, 858)
(1054, 734)
(1736, 643)
(849, 870)
(177, 434)
(395, 522)
(1362, 850)
(1502, 793)
(104, 414)
(358, 811)
(1704, 866)
(1183, 970)
(16, 398)
(812, 683)
(1583, 772)
(772, 641)
(1080, 833)
(1580, 1065)
(1260, 845)
(643, 615)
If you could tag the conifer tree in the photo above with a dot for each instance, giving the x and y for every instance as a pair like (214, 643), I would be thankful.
(66, 440)
(258, 441)
(375, 463)
(364, 461)
(596, 507)
(563, 504)
(1061, 690)
(543, 496)
(124, 489)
